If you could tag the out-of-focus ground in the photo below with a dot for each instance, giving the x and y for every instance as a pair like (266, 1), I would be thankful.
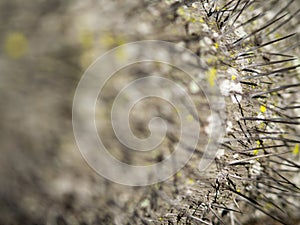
(45, 48)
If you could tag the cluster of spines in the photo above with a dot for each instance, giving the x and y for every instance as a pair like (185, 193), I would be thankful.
(262, 149)
(266, 130)
(274, 146)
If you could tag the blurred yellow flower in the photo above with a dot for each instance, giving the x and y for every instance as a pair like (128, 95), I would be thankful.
(15, 45)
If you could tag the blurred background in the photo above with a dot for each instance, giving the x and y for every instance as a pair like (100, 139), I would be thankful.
(46, 45)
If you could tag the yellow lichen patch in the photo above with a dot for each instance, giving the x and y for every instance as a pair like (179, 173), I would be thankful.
(190, 181)
(190, 118)
(86, 39)
(109, 40)
(296, 149)
(268, 206)
(262, 125)
(255, 152)
(216, 45)
(201, 20)
(15, 45)
(277, 36)
(211, 60)
(233, 77)
(192, 20)
(211, 76)
(180, 11)
(258, 143)
(121, 40)
(184, 13)
(121, 54)
(263, 108)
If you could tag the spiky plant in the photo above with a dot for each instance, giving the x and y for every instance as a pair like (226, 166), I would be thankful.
(251, 49)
